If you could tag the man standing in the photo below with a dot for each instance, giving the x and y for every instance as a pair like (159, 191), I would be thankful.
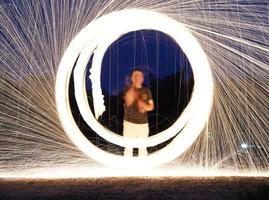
(137, 102)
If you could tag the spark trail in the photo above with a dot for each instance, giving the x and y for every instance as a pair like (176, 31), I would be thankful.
(35, 34)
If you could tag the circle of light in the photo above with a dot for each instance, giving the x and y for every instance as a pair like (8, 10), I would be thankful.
(103, 41)
(98, 48)
(94, 35)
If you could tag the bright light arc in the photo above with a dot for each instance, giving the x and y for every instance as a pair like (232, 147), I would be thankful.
(95, 38)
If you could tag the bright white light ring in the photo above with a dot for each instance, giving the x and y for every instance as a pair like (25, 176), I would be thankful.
(82, 100)
(99, 46)
(200, 106)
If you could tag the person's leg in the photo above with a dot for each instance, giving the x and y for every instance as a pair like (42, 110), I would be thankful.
(128, 152)
(142, 152)
(127, 132)
(143, 132)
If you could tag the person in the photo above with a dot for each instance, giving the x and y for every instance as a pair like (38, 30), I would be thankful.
(137, 102)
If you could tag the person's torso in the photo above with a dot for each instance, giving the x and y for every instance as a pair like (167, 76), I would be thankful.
(132, 113)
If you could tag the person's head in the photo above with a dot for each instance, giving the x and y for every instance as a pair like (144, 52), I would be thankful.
(137, 77)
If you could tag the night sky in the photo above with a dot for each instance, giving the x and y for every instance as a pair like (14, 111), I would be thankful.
(157, 54)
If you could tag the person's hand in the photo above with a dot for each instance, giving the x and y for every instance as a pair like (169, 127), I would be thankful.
(129, 97)
(141, 106)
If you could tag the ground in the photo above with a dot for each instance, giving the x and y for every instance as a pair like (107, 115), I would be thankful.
(230, 188)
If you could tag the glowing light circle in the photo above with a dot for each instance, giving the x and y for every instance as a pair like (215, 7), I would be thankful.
(103, 41)
(95, 38)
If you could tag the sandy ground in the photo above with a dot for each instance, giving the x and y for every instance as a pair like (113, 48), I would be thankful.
(228, 188)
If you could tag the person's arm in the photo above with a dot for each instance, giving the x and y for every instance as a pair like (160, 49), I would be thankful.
(146, 106)
(129, 97)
